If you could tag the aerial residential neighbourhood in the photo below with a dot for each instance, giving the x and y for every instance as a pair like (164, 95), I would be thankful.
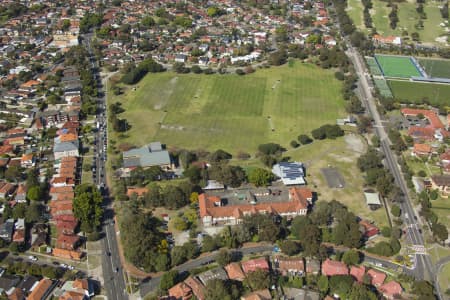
(252, 149)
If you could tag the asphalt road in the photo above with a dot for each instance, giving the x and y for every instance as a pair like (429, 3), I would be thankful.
(423, 268)
(114, 281)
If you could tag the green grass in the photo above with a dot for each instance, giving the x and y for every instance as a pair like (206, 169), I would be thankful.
(230, 111)
(441, 207)
(444, 277)
(436, 67)
(408, 18)
(373, 66)
(383, 87)
(397, 66)
(416, 92)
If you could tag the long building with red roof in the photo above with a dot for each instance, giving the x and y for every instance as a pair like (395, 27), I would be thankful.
(213, 212)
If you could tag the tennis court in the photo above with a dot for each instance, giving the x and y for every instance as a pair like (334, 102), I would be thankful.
(397, 66)
(383, 87)
(373, 66)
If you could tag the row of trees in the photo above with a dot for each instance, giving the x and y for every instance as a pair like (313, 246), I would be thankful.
(118, 124)
(367, 17)
(376, 174)
(439, 230)
(135, 73)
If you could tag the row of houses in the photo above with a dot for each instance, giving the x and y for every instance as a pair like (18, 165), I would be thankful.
(285, 266)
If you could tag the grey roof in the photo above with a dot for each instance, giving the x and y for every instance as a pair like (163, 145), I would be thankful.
(300, 294)
(289, 172)
(27, 283)
(218, 273)
(8, 281)
(65, 146)
(6, 229)
(145, 157)
(372, 198)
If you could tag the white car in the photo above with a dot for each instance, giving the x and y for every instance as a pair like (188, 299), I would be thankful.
(33, 258)
(64, 266)
(70, 267)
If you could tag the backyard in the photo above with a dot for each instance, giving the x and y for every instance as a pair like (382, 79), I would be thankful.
(235, 113)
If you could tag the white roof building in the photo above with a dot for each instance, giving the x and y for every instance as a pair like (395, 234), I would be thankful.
(291, 173)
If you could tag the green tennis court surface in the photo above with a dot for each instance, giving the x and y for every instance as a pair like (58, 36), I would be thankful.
(397, 66)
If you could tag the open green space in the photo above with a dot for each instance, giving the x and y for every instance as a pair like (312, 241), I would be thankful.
(441, 207)
(408, 19)
(229, 111)
(436, 67)
(397, 66)
(444, 277)
(434, 93)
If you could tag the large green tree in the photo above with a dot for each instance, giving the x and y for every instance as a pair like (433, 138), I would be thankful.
(260, 177)
(87, 207)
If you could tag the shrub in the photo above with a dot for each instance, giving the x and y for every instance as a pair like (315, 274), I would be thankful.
(304, 139)
(294, 144)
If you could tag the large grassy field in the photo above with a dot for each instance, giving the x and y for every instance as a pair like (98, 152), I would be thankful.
(408, 18)
(436, 67)
(436, 94)
(230, 111)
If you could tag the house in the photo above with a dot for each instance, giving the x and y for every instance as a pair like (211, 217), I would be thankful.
(376, 277)
(421, 150)
(42, 290)
(27, 160)
(217, 273)
(290, 266)
(6, 189)
(8, 283)
(255, 264)
(422, 133)
(39, 234)
(391, 289)
(300, 294)
(442, 183)
(212, 212)
(258, 295)
(27, 284)
(372, 199)
(358, 272)
(67, 254)
(78, 289)
(21, 194)
(291, 173)
(139, 192)
(180, 291)
(369, 230)
(312, 266)
(65, 149)
(66, 226)
(332, 268)
(16, 294)
(6, 230)
(19, 232)
(196, 286)
(430, 115)
(234, 271)
(388, 40)
(181, 58)
(68, 242)
(147, 156)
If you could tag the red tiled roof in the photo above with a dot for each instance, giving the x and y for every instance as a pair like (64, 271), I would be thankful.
(255, 264)
(332, 267)
(234, 271)
(435, 122)
(67, 242)
(299, 198)
(180, 291)
(358, 272)
(197, 287)
(377, 277)
(40, 289)
(391, 289)
(136, 190)
(291, 264)
(63, 253)
(422, 149)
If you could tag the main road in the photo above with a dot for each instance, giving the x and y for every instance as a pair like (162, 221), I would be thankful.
(113, 273)
(424, 268)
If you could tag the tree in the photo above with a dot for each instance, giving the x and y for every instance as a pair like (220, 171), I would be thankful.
(34, 213)
(361, 291)
(440, 231)
(423, 288)
(217, 289)
(87, 207)
(148, 21)
(260, 177)
(34, 193)
(258, 280)
(341, 285)
(208, 244)
(290, 247)
(224, 257)
(395, 210)
(178, 255)
(19, 211)
(179, 223)
(351, 257)
(220, 155)
(294, 144)
(214, 11)
(434, 194)
(322, 284)
(168, 280)
(304, 139)
(386, 231)
(13, 174)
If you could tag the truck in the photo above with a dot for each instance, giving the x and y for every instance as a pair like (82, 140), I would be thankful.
(98, 125)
